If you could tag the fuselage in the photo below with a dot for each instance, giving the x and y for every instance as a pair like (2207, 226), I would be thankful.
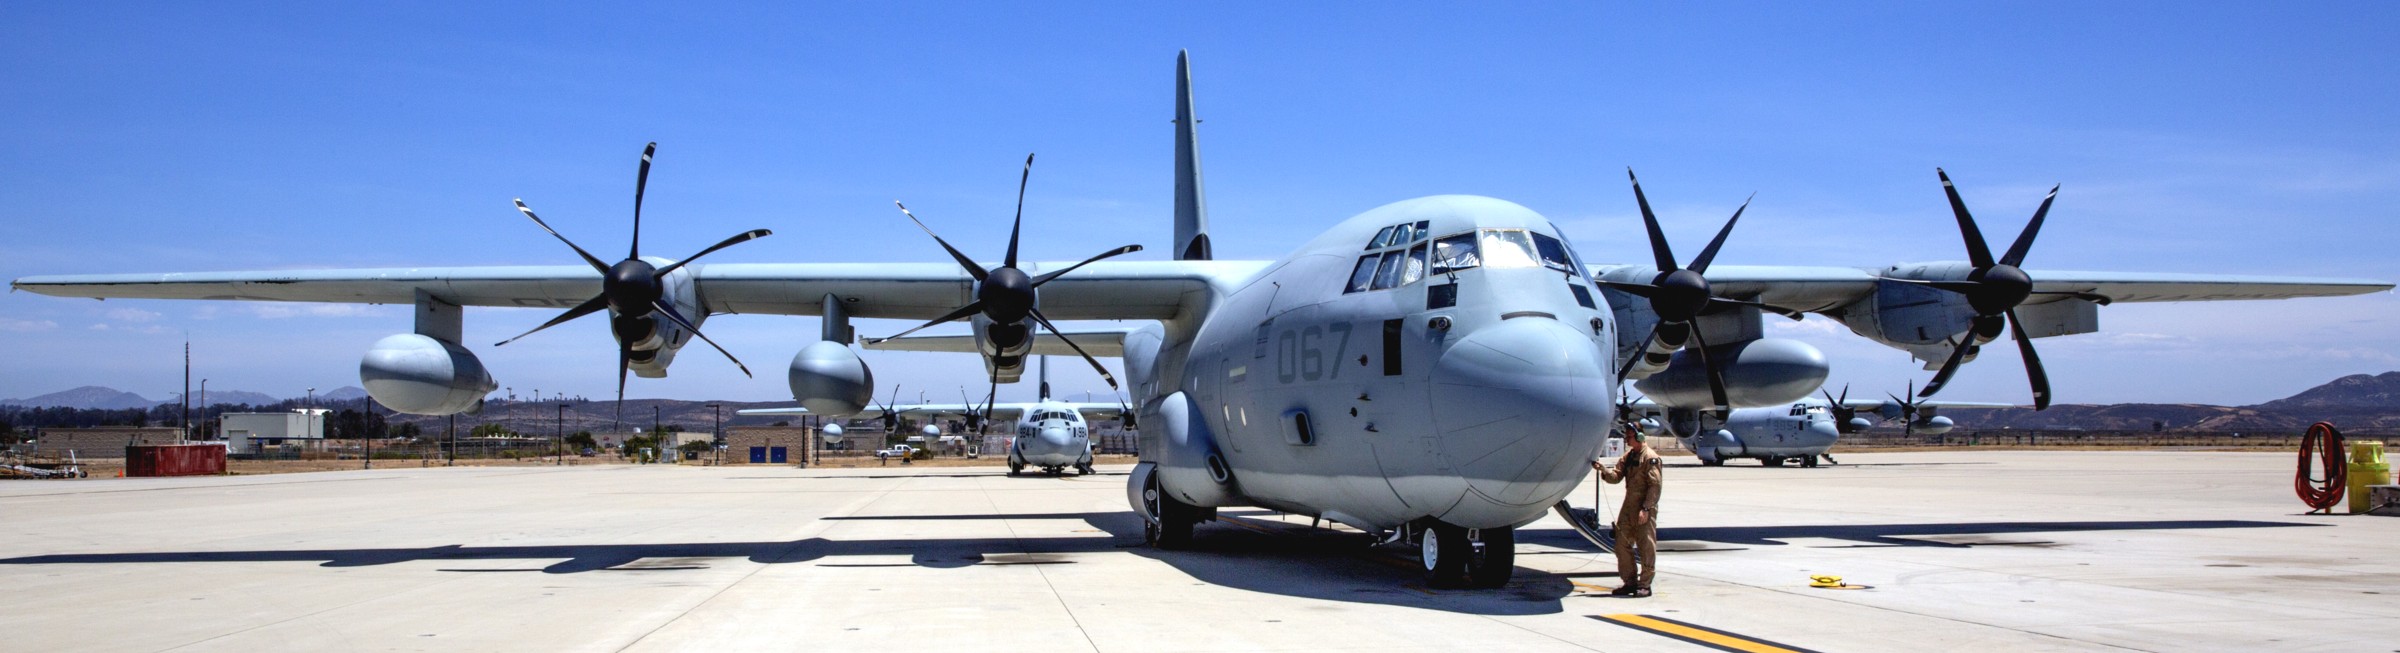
(1439, 357)
(1051, 434)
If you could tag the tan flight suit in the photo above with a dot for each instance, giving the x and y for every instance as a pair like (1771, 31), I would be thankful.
(1639, 471)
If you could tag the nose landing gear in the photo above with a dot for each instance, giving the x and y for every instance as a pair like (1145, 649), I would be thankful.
(1457, 557)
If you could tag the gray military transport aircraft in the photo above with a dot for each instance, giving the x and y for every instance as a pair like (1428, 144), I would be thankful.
(1436, 370)
(1047, 433)
(1799, 433)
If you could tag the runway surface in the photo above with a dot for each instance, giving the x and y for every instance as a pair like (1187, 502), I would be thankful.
(2017, 551)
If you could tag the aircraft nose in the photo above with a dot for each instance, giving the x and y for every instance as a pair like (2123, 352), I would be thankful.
(1056, 437)
(1519, 407)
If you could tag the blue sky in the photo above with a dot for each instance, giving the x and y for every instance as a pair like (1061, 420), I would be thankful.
(2213, 138)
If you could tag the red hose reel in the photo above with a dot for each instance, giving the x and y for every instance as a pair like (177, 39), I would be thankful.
(2325, 443)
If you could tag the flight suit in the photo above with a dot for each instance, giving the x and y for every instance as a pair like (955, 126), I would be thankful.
(1636, 542)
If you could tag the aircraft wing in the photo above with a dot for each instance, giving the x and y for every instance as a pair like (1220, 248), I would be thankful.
(1106, 342)
(1097, 409)
(1877, 405)
(1149, 290)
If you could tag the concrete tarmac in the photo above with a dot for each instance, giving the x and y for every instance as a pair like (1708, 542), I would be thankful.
(2014, 551)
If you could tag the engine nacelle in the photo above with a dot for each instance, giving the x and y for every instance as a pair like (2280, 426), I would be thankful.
(423, 375)
(832, 433)
(1935, 425)
(1762, 372)
(1857, 424)
(828, 379)
(930, 431)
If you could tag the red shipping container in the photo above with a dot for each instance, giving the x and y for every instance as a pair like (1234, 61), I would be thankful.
(174, 460)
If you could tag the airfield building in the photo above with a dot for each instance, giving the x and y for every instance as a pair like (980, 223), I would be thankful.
(251, 432)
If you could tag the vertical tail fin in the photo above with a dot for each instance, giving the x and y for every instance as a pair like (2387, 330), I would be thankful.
(1191, 205)
(1045, 378)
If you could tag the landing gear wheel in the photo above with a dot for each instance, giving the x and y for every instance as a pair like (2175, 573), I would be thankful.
(1083, 469)
(1772, 461)
(1445, 551)
(1711, 459)
(1495, 558)
(1052, 470)
(1171, 526)
(1808, 461)
(1015, 468)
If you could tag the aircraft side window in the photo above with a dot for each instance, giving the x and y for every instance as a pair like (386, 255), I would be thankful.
(1419, 233)
(1454, 253)
(1414, 267)
(1381, 238)
(1553, 251)
(1400, 235)
(1363, 274)
(1387, 272)
(1508, 248)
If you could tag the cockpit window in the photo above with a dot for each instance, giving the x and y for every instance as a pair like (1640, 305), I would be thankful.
(1419, 232)
(1508, 248)
(1381, 238)
(1554, 252)
(1454, 253)
(1364, 274)
(1387, 272)
(1414, 268)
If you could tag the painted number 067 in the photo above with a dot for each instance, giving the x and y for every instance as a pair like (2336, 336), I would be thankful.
(1300, 353)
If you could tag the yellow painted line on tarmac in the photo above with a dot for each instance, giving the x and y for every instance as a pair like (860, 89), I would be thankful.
(1709, 637)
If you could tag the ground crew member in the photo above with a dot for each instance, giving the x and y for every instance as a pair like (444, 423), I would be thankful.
(1637, 521)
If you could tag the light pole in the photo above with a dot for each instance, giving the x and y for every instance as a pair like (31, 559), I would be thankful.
(204, 403)
(562, 433)
(655, 433)
(717, 430)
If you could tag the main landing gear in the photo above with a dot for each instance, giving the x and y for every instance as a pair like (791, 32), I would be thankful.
(1170, 525)
(1458, 557)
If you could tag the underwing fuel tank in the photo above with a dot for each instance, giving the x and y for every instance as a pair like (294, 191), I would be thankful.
(828, 379)
(1762, 372)
(423, 375)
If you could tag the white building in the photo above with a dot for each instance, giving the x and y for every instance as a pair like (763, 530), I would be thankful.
(248, 432)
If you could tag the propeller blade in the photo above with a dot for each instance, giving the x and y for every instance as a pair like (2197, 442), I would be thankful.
(2016, 251)
(1638, 350)
(587, 256)
(1642, 290)
(1664, 256)
(624, 364)
(971, 308)
(668, 310)
(641, 182)
(1977, 252)
(1047, 276)
(1949, 367)
(2034, 373)
(1104, 375)
(587, 308)
(1710, 254)
(973, 269)
(1845, 392)
(1716, 380)
(1019, 225)
(737, 239)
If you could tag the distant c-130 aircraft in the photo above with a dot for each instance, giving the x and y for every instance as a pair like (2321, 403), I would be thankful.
(1437, 370)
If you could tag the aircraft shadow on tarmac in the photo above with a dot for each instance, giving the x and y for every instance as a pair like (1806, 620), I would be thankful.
(1240, 551)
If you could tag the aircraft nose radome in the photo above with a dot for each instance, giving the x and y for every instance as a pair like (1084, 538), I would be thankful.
(1056, 437)
(1520, 406)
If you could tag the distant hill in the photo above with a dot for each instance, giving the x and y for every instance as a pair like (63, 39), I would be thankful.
(344, 393)
(90, 396)
(2358, 401)
(221, 397)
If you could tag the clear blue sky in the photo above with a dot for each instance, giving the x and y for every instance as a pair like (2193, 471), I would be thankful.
(2211, 137)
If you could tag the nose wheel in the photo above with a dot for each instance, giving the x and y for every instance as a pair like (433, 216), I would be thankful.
(1457, 557)
(1170, 522)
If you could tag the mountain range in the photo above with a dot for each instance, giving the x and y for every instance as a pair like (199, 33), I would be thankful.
(97, 397)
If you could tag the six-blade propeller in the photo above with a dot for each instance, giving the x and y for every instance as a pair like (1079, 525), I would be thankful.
(633, 290)
(1006, 294)
(1993, 289)
(1679, 294)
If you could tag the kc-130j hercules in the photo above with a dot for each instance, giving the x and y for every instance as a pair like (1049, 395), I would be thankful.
(1437, 369)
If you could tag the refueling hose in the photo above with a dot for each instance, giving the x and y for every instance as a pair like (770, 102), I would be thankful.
(2321, 494)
